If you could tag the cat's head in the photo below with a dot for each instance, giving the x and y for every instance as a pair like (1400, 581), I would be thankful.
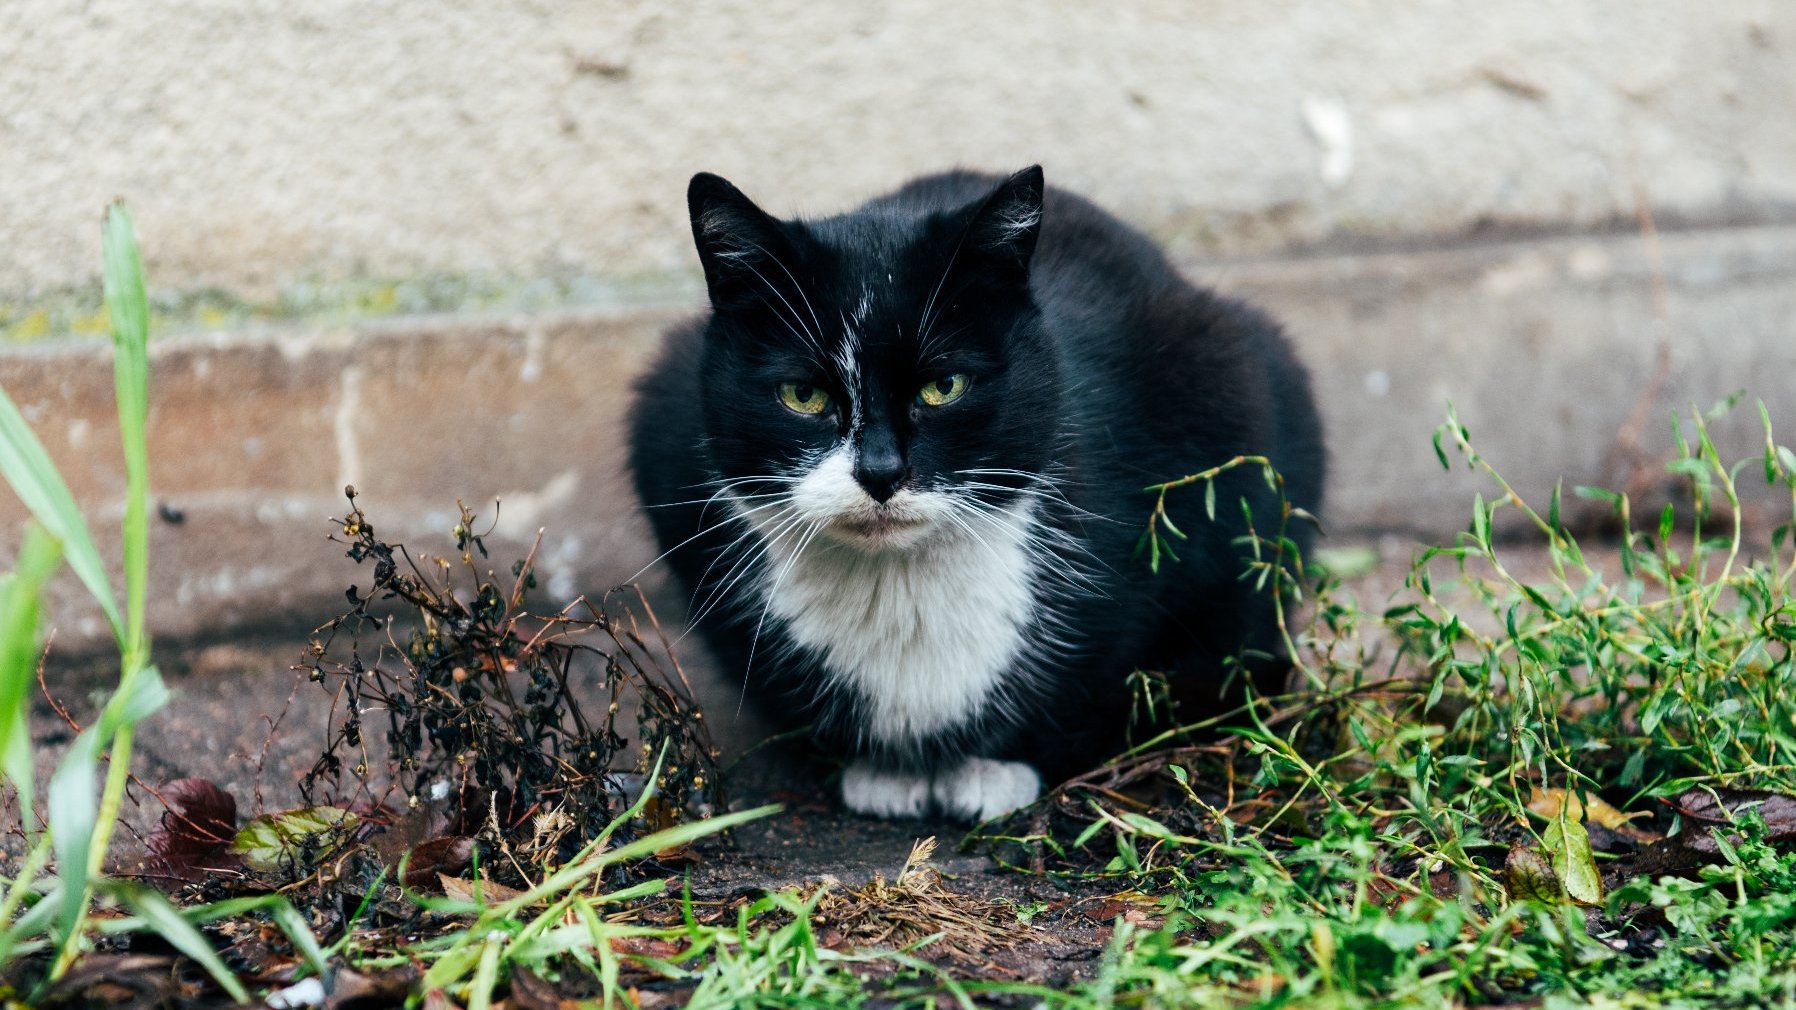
(879, 378)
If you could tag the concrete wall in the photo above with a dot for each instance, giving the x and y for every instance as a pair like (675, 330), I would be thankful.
(266, 142)
(1549, 348)
(1440, 199)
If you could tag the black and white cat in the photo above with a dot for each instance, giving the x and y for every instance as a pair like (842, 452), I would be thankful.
(901, 462)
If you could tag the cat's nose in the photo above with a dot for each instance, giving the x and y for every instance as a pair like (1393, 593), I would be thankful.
(880, 469)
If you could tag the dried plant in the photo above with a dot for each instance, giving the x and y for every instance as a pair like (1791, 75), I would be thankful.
(482, 696)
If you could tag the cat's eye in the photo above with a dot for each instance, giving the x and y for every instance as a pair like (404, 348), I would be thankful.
(803, 398)
(946, 389)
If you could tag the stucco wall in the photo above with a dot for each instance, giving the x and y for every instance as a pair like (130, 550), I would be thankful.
(1439, 198)
(268, 142)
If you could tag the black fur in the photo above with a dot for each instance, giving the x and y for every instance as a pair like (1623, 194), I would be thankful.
(1092, 360)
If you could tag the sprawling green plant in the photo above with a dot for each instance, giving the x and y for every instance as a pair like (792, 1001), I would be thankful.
(1423, 840)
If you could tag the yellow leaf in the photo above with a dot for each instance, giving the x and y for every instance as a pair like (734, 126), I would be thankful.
(1549, 802)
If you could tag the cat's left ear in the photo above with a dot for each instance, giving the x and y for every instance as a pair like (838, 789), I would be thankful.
(739, 243)
(1004, 228)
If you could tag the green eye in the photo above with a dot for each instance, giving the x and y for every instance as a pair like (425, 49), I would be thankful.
(803, 398)
(946, 389)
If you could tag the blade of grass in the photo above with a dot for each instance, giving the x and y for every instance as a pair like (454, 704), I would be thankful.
(127, 308)
(11, 932)
(33, 477)
(20, 594)
(171, 926)
(277, 908)
(128, 312)
(75, 815)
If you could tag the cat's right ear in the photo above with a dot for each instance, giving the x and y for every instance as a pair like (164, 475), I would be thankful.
(740, 245)
(1004, 228)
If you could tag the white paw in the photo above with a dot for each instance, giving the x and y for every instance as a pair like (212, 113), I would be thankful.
(869, 790)
(981, 789)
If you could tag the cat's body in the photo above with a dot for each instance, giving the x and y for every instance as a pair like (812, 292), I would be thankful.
(933, 567)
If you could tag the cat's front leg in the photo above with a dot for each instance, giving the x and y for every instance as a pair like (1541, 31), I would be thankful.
(979, 789)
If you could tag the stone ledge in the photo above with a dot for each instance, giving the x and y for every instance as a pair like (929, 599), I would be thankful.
(1545, 345)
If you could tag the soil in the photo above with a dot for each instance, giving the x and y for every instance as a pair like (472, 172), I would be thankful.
(243, 719)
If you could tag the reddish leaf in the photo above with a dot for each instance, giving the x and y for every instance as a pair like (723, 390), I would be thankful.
(406, 833)
(1703, 809)
(195, 832)
(352, 990)
(530, 991)
(446, 856)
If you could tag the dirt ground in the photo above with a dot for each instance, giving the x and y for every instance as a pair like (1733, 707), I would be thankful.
(242, 718)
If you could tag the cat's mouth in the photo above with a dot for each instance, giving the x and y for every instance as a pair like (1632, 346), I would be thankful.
(878, 527)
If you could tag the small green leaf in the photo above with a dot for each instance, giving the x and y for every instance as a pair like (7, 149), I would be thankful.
(1601, 494)
(1573, 860)
(1166, 520)
(1089, 833)
(1348, 562)
(273, 841)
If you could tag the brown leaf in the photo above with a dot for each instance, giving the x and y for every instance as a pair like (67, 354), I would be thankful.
(443, 857)
(1547, 803)
(353, 990)
(478, 891)
(530, 991)
(195, 832)
(1527, 876)
(647, 946)
(119, 982)
(437, 999)
(410, 831)
(1703, 809)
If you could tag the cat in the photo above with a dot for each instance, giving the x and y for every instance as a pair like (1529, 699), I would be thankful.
(900, 467)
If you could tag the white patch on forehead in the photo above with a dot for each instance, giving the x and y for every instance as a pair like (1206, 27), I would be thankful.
(862, 308)
(848, 366)
(925, 630)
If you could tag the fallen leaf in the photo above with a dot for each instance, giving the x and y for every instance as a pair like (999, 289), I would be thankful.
(1703, 809)
(437, 857)
(647, 946)
(1549, 802)
(119, 982)
(1573, 861)
(354, 990)
(1529, 877)
(409, 831)
(480, 892)
(274, 842)
(530, 991)
(191, 839)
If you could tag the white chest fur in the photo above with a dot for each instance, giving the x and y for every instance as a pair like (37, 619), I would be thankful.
(924, 635)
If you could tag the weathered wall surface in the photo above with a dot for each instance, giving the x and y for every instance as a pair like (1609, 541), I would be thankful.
(1437, 197)
(1549, 348)
(263, 142)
